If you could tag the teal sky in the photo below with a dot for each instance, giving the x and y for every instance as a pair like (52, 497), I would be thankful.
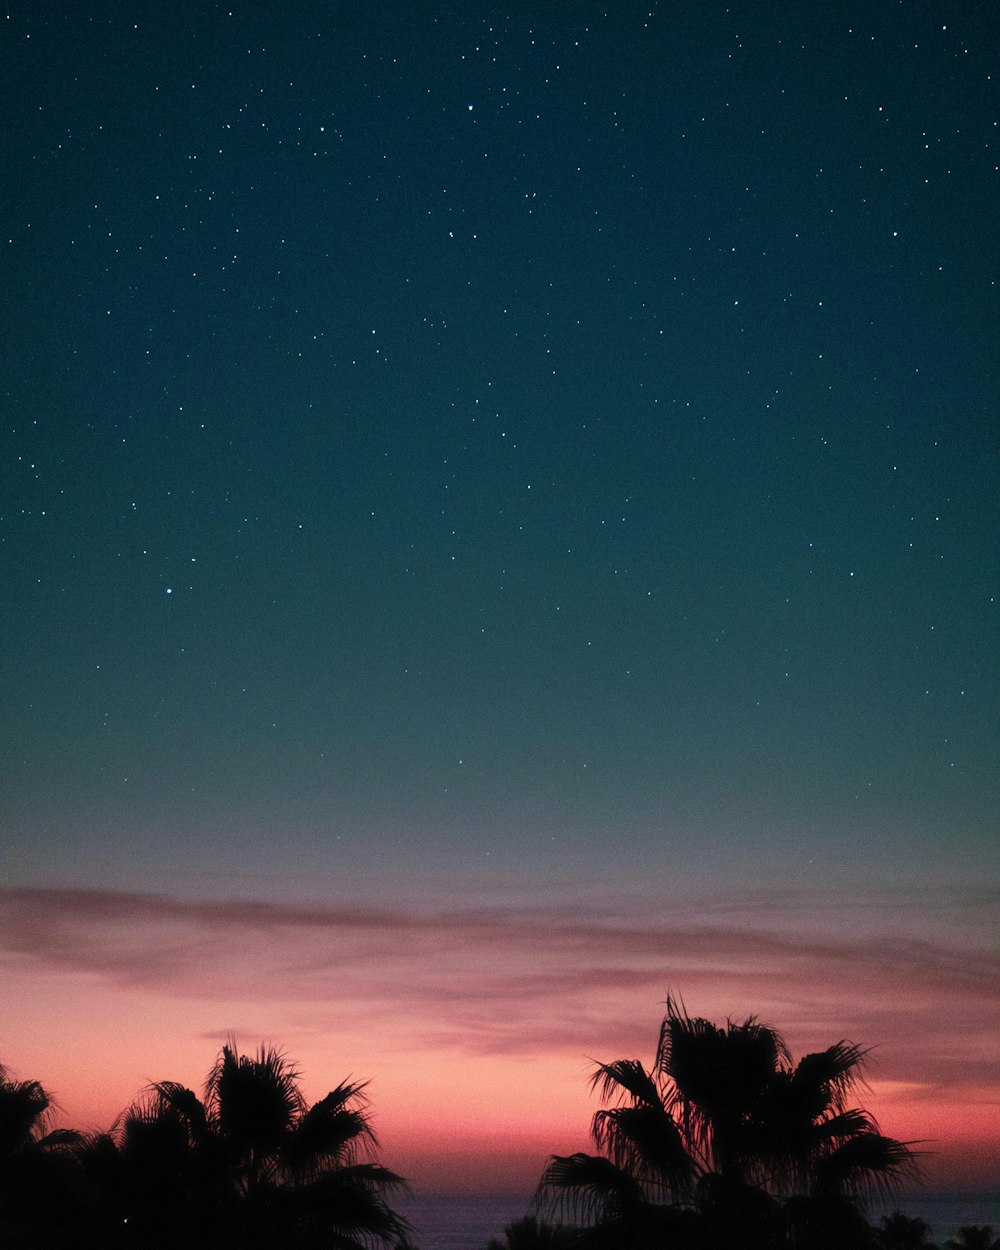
(484, 456)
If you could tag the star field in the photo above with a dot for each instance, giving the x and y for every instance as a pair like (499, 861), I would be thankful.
(601, 401)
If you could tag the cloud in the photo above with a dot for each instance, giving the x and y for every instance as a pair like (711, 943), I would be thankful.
(453, 1009)
(522, 980)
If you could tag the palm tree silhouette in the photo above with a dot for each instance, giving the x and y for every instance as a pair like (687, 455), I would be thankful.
(973, 1237)
(904, 1232)
(25, 1110)
(725, 1137)
(528, 1233)
(249, 1164)
(37, 1174)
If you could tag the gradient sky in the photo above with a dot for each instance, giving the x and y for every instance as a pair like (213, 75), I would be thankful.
(498, 522)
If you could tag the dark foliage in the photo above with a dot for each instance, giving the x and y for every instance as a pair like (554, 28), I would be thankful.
(726, 1141)
(903, 1232)
(530, 1233)
(248, 1166)
(974, 1237)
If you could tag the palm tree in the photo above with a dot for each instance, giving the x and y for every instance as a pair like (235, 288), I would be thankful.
(904, 1232)
(249, 1164)
(529, 1233)
(973, 1237)
(725, 1126)
(36, 1167)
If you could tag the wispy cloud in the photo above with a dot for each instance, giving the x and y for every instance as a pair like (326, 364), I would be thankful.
(523, 980)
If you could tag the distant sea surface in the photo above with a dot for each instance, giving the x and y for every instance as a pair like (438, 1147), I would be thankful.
(461, 1221)
(470, 1221)
(947, 1212)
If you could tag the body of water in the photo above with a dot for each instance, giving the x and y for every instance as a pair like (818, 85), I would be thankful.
(946, 1213)
(461, 1221)
(470, 1221)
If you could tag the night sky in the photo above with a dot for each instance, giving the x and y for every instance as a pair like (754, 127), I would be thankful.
(498, 521)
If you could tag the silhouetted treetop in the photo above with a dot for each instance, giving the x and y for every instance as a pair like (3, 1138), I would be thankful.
(725, 1136)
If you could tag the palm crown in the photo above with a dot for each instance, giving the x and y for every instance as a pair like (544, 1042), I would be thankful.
(36, 1171)
(725, 1112)
(249, 1162)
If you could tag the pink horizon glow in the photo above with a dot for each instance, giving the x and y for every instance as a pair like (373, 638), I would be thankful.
(477, 1027)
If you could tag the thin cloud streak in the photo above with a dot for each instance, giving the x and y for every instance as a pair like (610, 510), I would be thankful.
(83, 928)
(464, 1005)
(509, 981)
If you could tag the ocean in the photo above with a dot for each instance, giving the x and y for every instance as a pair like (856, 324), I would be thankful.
(947, 1212)
(470, 1221)
(461, 1221)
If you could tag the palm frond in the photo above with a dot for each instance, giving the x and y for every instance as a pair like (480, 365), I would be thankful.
(24, 1112)
(717, 1080)
(172, 1096)
(850, 1123)
(687, 1058)
(530, 1233)
(254, 1100)
(586, 1187)
(371, 1176)
(866, 1166)
(350, 1202)
(60, 1139)
(830, 1076)
(152, 1133)
(331, 1131)
(625, 1076)
(644, 1141)
(679, 1032)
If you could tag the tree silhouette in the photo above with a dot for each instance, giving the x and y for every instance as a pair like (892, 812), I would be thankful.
(904, 1232)
(250, 1164)
(37, 1176)
(973, 1237)
(725, 1140)
(530, 1233)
